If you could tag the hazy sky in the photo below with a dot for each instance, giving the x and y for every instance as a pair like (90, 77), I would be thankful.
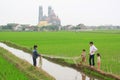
(89, 12)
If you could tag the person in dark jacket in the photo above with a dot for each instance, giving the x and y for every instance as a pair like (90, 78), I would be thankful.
(35, 55)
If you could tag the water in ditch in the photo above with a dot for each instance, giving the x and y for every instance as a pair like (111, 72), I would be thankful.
(59, 72)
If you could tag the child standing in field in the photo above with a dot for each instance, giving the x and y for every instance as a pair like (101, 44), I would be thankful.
(83, 56)
(98, 61)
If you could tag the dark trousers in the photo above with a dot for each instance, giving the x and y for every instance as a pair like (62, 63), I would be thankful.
(91, 60)
(34, 61)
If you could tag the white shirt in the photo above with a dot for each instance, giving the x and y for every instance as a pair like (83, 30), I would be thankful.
(93, 49)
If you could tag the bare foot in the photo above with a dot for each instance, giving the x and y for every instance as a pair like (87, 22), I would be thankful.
(92, 66)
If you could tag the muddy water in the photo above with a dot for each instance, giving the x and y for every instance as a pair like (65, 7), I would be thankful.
(57, 71)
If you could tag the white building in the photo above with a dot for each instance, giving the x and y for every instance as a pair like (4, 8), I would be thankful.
(18, 28)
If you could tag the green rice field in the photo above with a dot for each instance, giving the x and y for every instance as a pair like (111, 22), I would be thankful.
(8, 71)
(70, 44)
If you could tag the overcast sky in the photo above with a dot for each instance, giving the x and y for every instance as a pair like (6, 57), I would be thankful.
(89, 12)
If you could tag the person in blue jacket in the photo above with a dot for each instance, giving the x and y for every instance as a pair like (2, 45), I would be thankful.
(35, 55)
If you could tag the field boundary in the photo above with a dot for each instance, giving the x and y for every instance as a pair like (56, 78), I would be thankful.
(86, 68)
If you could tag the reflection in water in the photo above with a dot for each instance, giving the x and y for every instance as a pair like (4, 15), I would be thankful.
(76, 76)
(39, 62)
(83, 76)
(91, 78)
(57, 71)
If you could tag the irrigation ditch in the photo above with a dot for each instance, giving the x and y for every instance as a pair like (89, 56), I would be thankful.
(80, 72)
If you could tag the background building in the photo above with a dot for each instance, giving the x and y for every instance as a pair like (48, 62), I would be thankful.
(40, 13)
(51, 19)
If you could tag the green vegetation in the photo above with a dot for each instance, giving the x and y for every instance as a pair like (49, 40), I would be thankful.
(93, 73)
(13, 68)
(70, 44)
(8, 70)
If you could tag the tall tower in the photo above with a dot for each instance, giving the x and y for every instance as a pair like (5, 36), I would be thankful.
(40, 13)
(49, 11)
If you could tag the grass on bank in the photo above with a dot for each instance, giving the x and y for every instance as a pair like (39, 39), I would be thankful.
(13, 68)
(9, 72)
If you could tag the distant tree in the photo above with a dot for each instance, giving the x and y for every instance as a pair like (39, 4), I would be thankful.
(36, 28)
(9, 26)
(0, 27)
(77, 27)
(118, 27)
(49, 28)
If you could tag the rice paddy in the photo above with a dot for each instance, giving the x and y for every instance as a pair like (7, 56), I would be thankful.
(70, 44)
